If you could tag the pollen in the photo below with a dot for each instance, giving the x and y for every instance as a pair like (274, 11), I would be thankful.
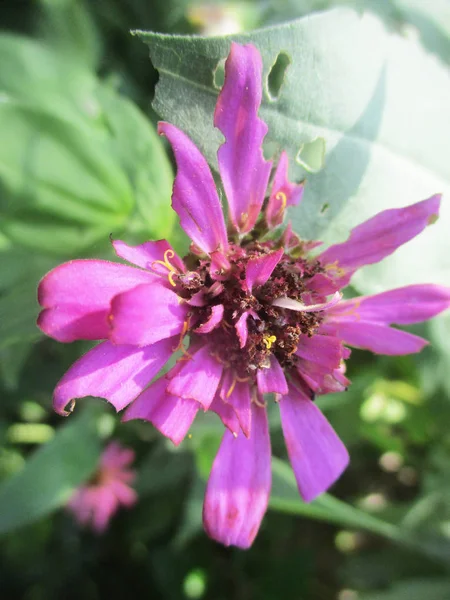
(269, 340)
(281, 196)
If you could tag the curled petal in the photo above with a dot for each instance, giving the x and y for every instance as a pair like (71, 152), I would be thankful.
(238, 489)
(403, 306)
(172, 416)
(378, 237)
(261, 268)
(116, 373)
(241, 326)
(292, 304)
(145, 315)
(76, 297)
(242, 167)
(317, 455)
(213, 321)
(197, 378)
(194, 196)
(283, 193)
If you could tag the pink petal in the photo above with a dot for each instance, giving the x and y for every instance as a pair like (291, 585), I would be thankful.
(226, 413)
(322, 349)
(242, 167)
(213, 321)
(125, 495)
(145, 315)
(198, 378)
(272, 380)
(378, 237)
(238, 489)
(283, 193)
(237, 395)
(114, 456)
(103, 508)
(149, 256)
(403, 306)
(77, 294)
(292, 304)
(378, 338)
(194, 196)
(116, 373)
(260, 269)
(317, 455)
(172, 416)
(241, 326)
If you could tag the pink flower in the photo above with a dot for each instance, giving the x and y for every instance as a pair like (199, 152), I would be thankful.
(96, 502)
(260, 315)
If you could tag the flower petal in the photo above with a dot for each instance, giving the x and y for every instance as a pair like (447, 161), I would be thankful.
(213, 321)
(226, 413)
(272, 380)
(242, 328)
(322, 349)
(145, 315)
(317, 455)
(403, 306)
(292, 304)
(198, 378)
(116, 373)
(172, 416)
(237, 395)
(260, 269)
(76, 297)
(378, 338)
(242, 167)
(238, 489)
(150, 255)
(378, 237)
(194, 196)
(283, 193)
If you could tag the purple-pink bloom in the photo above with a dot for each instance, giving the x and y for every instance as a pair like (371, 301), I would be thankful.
(95, 503)
(249, 311)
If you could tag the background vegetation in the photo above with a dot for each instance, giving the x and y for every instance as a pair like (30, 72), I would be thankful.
(79, 160)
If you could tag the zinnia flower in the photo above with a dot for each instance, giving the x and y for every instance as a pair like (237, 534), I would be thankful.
(252, 313)
(96, 502)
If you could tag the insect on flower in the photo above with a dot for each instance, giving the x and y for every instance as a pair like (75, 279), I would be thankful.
(250, 309)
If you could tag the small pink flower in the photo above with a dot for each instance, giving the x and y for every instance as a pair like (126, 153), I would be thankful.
(96, 502)
(260, 315)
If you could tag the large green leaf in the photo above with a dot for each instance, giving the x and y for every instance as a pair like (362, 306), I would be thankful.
(378, 101)
(52, 474)
(78, 160)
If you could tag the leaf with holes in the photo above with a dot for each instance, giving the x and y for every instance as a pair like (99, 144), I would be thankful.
(340, 81)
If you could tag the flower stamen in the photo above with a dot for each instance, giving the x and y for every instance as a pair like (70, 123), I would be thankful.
(281, 196)
(268, 340)
(168, 265)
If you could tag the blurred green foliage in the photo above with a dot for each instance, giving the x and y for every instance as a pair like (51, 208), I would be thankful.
(80, 160)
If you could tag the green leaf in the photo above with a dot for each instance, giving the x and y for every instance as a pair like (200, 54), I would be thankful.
(79, 161)
(60, 191)
(378, 101)
(51, 474)
(415, 589)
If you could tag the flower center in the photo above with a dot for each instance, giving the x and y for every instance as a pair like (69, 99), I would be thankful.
(252, 328)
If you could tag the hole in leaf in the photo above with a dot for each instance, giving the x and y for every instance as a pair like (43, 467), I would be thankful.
(219, 74)
(324, 208)
(275, 78)
(311, 155)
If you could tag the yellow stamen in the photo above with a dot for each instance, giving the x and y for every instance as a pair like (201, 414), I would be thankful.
(338, 271)
(268, 340)
(232, 386)
(281, 196)
(167, 264)
(182, 334)
(242, 379)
